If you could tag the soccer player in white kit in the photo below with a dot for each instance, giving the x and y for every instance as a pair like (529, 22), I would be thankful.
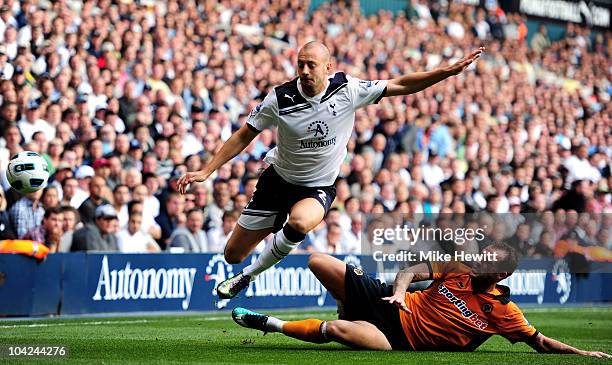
(314, 115)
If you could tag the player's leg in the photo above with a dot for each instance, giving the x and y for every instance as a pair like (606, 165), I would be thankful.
(359, 334)
(242, 242)
(304, 216)
(256, 222)
(309, 208)
(330, 271)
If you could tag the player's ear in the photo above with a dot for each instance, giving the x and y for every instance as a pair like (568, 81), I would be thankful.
(502, 275)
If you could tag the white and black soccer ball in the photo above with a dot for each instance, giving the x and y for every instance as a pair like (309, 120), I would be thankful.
(27, 172)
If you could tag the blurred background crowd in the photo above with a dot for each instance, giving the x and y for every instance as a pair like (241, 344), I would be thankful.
(123, 97)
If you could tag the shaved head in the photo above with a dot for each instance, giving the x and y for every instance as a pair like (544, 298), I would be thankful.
(314, 66)
(316, 49)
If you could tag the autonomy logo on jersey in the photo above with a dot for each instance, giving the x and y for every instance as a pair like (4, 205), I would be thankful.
(317, 131)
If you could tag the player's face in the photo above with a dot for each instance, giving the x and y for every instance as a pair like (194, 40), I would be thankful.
(484, 273)
(313, 68)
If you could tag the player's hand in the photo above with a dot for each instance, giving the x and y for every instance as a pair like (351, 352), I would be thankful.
(188, 178)
(399, 300)
(461, 65)
(599, 354)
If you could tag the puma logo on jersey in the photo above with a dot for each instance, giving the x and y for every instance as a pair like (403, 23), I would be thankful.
(290, 97)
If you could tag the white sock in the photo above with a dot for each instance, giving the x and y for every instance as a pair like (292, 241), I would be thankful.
(274, 324)
(276, 250)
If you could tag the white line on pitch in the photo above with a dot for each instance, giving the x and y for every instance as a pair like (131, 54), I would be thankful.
(97, 323)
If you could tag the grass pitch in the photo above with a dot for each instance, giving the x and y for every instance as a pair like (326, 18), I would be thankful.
(215, 339)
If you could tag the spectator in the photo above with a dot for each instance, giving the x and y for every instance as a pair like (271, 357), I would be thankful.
(169, 219)
(217, 237)
(332, 242)
(6, 231)
(51, 230)
(191, 238)
(69, 190)
(71, 222)
(352, 238)
(121, 197)
(540, 41)
(98, 235)
(88, 207)
(32, 123)
(50, 197)
(27, 213)
(221, 203)
(83, 175)
(133, 240)
(520, 240)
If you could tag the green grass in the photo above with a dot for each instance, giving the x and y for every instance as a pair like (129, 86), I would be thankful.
(216, 339)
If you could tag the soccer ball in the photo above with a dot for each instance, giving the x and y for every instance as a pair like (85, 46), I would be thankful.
(27, 172)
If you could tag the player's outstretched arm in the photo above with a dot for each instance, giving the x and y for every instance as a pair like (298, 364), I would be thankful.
(402, 281)
(415, 82)
(545, 344)
(233, 146)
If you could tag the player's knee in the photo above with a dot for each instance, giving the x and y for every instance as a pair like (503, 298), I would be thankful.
(316, 261)
(233, 256)
(299, 224)
(335, 329)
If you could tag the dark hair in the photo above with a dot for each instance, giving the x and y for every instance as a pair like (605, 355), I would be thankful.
(194, 210)
(63, 183)
(68, 208)
(119, 186)
(230, 214)
(50, 187)
(148, 175)
(510, 261)
(130, 205)
(52, 210)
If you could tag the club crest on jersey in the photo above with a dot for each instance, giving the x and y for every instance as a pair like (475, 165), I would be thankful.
(332, 109)
(256, 110)
(317, 131)
(487, 308)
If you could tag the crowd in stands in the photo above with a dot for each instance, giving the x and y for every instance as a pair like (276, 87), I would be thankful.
(123, 97)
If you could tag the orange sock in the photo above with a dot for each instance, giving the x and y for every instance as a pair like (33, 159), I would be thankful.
(305, 330)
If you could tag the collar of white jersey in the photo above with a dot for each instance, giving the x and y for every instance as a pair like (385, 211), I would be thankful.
(317, 98)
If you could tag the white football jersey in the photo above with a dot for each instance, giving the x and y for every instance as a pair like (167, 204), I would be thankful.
(313, 131)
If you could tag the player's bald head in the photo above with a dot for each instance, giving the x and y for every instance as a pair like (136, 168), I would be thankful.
(315, 49)
(314, 66)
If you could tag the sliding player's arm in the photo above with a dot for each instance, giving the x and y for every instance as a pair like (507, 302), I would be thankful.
(232, 147)
(544, 344)
(417, 81)
(402, 281)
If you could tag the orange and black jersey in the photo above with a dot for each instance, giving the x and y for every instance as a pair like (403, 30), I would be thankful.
(448, 315)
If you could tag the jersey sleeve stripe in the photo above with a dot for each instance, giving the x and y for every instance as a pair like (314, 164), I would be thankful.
(382, 95)
(250, 126)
